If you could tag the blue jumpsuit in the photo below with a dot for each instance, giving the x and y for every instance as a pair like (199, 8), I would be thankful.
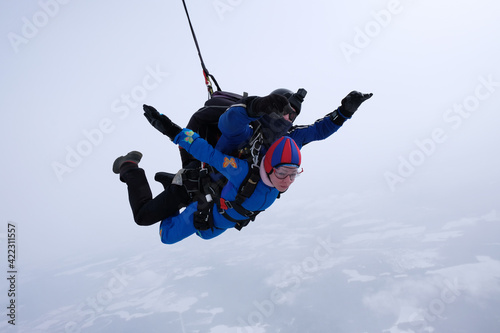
(180, 226)
(235, 130)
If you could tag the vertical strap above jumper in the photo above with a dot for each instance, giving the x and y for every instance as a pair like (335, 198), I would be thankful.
(206, 74)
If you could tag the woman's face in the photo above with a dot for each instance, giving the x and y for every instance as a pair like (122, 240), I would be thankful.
(282, 184)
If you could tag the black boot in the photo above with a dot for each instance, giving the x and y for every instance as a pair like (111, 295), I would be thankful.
(164, 178)
(124, 164)
(133, 156)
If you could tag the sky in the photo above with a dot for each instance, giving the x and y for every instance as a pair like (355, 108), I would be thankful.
(74, 76)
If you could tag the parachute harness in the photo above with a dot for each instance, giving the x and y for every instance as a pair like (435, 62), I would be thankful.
(255, 148)
(209, 193)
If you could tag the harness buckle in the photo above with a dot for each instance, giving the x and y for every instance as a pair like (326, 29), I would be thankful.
(250, 214)
(225, 205)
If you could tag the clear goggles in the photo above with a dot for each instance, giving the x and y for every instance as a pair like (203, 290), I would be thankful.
(283, 172)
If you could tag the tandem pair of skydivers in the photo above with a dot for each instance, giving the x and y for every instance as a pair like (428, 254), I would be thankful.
(239, 154)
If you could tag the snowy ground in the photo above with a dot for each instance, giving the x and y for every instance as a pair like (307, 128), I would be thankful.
(338, 270)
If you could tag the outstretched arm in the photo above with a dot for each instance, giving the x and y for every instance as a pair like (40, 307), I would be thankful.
(232, 168)
(329, 124)
(319, 130)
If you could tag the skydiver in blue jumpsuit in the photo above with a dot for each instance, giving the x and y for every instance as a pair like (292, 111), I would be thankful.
(278, 170)
(273, 112)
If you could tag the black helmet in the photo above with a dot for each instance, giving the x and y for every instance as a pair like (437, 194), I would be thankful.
(295, 99)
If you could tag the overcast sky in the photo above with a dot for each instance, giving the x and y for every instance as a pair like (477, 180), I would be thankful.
(74, 75)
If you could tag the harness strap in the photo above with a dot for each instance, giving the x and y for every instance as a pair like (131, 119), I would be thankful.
(223, 205)
(256, 145)
(249, 184)
(240, 224)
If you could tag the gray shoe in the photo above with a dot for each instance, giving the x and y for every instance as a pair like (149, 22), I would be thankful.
(133, 156)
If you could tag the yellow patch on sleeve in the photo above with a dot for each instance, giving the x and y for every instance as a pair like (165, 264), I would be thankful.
(229, 162)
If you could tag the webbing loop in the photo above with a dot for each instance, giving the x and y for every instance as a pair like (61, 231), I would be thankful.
(206, 73)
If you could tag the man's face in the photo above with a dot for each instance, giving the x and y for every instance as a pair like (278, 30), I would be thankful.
(291, 116)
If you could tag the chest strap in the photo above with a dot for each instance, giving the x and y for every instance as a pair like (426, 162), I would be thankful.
(223, 205)
(248, 186)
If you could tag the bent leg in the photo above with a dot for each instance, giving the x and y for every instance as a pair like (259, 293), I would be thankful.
(146, 210)
(176, 228)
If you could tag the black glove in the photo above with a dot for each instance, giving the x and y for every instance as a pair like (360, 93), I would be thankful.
(161, 122)
(202, 220)
(203, 217)
(259, 106)
(351, 103)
